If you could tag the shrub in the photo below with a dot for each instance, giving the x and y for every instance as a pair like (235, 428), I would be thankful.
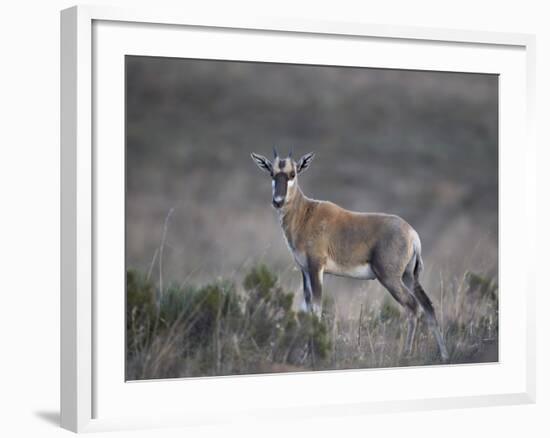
(217, 329)
(275, 324)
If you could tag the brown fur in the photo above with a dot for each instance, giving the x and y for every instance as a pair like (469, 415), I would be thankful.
(323, 230)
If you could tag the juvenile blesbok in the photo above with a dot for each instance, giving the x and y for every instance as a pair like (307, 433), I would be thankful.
(327, 239)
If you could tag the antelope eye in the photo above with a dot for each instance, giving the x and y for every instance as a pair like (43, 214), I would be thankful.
(292, 174)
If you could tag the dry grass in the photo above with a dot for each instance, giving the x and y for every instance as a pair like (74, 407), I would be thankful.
(227, 329)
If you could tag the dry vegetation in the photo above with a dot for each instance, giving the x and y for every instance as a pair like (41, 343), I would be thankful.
(224, 328)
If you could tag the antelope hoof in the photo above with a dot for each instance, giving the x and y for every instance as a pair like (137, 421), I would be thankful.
(316, 310)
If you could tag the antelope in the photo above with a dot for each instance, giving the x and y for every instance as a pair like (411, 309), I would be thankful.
(325, 238)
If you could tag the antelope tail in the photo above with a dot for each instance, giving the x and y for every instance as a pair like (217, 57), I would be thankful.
(419, 292)
(418, 266)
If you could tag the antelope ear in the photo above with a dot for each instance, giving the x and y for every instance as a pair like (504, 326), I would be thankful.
(304, 162)
(262, 162)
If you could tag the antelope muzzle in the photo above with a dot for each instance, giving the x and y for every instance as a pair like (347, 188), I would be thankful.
(280, 183)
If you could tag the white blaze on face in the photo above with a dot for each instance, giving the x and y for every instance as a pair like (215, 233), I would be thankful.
(289, 185)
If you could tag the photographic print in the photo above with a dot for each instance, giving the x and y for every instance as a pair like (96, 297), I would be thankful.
(291, 218)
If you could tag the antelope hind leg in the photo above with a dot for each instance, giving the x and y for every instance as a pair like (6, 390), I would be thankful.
(431, 319)
(399, 291)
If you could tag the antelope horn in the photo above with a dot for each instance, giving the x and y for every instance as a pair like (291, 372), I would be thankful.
(275, 154)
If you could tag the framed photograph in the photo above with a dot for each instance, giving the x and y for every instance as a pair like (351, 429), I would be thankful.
(251, 206)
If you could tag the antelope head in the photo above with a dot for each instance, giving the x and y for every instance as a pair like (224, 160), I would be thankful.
(284, 175)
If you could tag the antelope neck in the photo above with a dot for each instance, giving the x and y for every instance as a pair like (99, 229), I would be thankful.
(292, 213)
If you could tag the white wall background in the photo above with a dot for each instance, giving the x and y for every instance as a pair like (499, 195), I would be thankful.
(29, 215)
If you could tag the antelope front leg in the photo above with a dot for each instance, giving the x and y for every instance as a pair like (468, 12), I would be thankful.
(315, 271)
(306, 304)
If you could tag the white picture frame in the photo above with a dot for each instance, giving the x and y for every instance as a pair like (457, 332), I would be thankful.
(93, 39)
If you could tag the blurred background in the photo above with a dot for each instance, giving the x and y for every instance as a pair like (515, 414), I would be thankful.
(423, 145)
